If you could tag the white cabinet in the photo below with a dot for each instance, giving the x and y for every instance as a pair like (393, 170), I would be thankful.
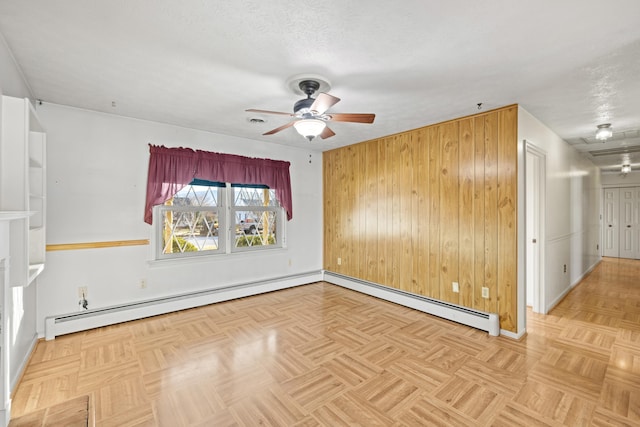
(23, 187)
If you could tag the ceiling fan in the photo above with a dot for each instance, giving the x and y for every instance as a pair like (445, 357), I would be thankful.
(311, 115)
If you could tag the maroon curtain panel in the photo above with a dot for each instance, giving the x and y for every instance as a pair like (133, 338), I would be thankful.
(171, 169)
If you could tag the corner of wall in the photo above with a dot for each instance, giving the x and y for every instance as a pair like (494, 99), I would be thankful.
(12, 79)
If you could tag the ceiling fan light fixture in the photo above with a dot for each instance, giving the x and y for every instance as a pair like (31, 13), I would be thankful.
(604, 132)
(309, 128)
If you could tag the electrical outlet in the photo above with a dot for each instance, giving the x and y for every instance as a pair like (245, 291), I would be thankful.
(485, 292)
(565, 268)
(143, 284)
(339, 261)
(597, 247)
(455, 287)
(290, 262)
(83, 292)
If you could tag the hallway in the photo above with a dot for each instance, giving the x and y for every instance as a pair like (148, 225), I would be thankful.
(591, 342)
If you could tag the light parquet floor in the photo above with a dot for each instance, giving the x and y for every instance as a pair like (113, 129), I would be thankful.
(320, 355)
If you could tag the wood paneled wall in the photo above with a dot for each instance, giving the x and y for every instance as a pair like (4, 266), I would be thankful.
(424, 208)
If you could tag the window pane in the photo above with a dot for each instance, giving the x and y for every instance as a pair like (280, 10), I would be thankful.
(255, 228)
(245, 196)
(196, 195)
(189, 231)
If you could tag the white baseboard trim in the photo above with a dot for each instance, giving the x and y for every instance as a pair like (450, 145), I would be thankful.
(560, 297)
(586, 273)
(95, 318)
(5, 415)
(513, 335)
(23, 363)
(90, 319)
(477, 319)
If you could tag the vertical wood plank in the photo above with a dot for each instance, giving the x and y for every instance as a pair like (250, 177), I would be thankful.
(478, 213)
(351, 201)
(465, 211)
(342, 189)
(449, 214)
(327, 217)
(434, 214)
(406, 221)
(371, 214)
(389, 248)
(396, 244)
(359, 233)
(383, 236)
(421, 212)
(491, 211)
(507, 218)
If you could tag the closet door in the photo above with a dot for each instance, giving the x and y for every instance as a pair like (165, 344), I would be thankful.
(630, 223)
(611, 242)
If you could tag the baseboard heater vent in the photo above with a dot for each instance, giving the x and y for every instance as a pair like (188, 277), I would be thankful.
(477, 319)
(90, 319)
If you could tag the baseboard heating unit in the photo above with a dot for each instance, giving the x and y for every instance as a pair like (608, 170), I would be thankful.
(90, 319)
(477, 319)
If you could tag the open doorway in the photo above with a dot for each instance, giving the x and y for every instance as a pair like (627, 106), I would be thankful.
(535, 191)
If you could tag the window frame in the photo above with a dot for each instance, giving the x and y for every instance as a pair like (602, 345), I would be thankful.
(278, 226)
(159, 229)
(227, 226)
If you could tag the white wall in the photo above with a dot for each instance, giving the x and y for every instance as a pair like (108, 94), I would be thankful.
(616, 179)
(97, 172)
(12, 81)
(573, 201)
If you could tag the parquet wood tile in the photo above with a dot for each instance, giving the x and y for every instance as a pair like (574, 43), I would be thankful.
(381, 352)
(427, 411)
(387, 392)
(321, 355)
(500, 381)
(470, 398)
(287, 364)
(622, 399)
(272, 407)
(555, 405)
(77, 412)
(514, 415)
(419, 372)
(352, 369)
(314, 388)
(605, 418)
(350, 411)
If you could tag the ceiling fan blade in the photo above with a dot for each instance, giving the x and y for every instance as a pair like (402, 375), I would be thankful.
(352, 117)
(283, 127)
(253, 110)
(326, 133)
(323, 102)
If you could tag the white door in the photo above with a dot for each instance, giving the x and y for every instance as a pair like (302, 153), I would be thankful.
(630, 223)
(535, 187)
(611, 241)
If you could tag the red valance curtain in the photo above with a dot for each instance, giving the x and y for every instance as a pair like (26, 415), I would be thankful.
(171, 169)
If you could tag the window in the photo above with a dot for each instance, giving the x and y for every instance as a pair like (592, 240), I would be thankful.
(256, 212)
(206, 218)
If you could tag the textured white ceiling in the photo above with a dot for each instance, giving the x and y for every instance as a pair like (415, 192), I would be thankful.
(573, 63)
